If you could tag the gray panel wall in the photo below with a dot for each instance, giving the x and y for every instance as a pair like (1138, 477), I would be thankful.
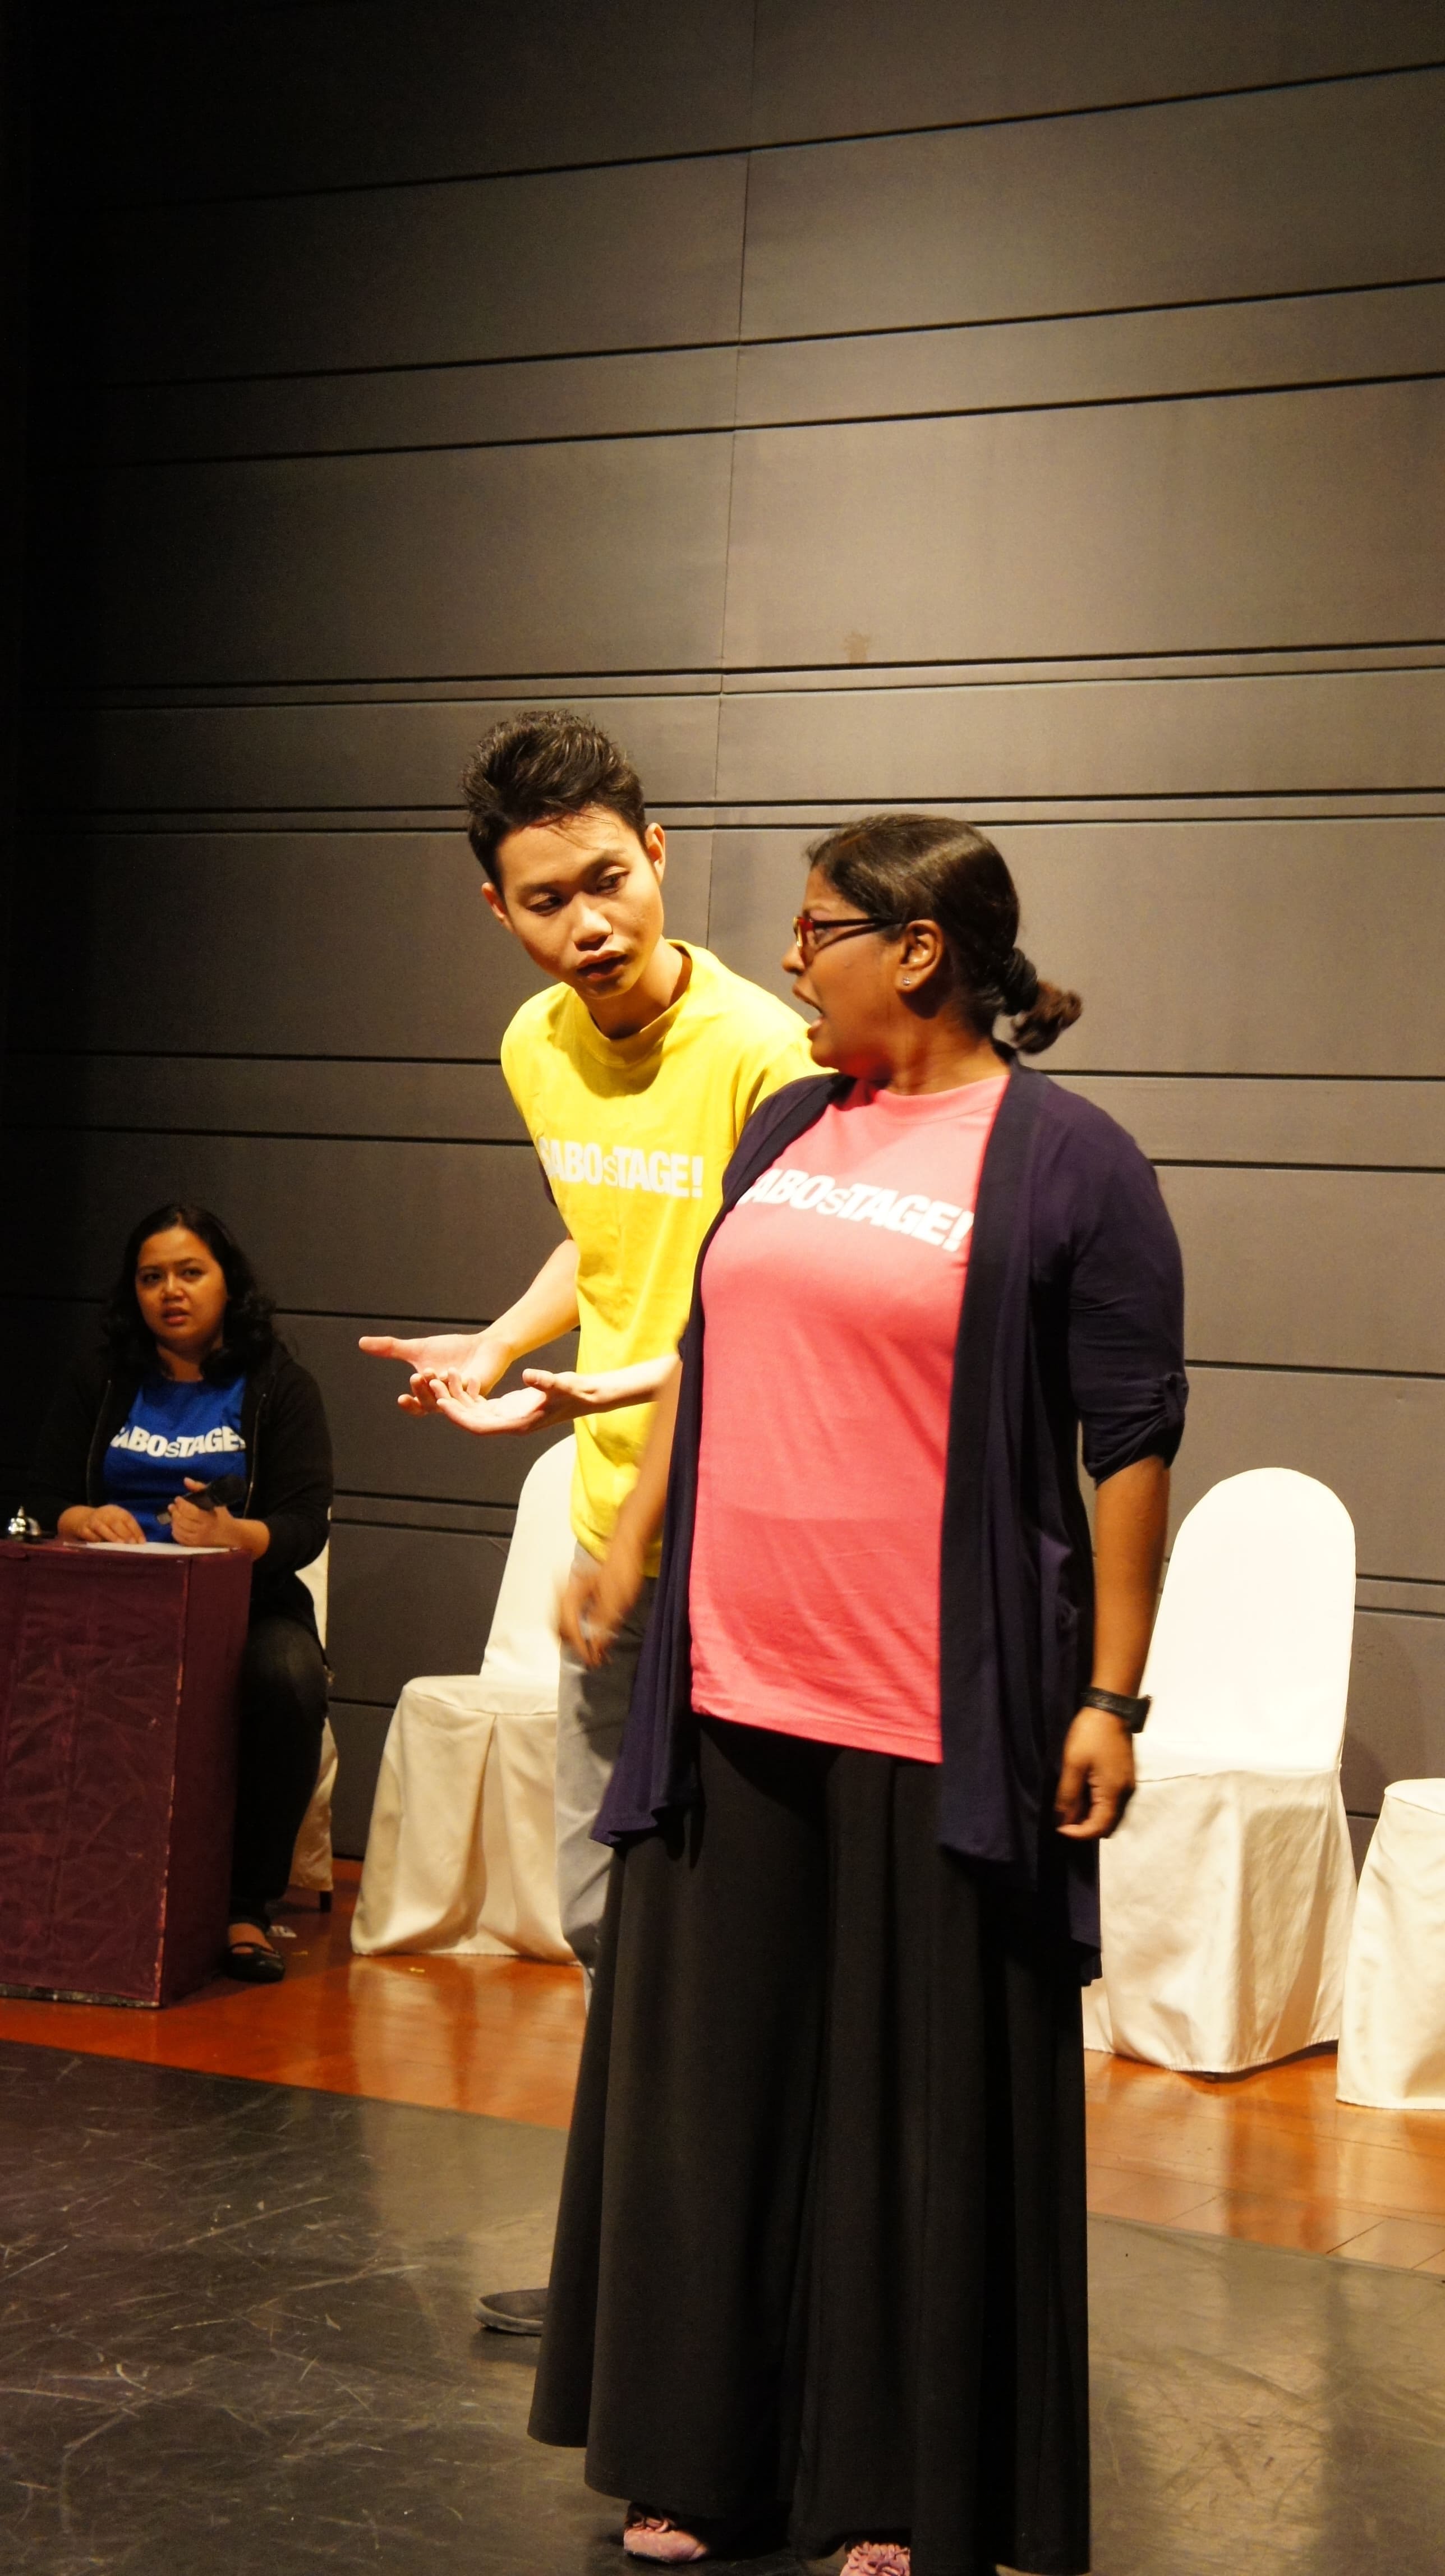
(1032, 412)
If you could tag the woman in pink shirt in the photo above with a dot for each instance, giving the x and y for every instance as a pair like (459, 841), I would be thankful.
(820, 2261)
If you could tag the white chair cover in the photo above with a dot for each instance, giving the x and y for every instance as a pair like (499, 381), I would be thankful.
(1228, 1890)
(311, 1859)
(317, 1578)
(461, 1855)
(1392, 2039)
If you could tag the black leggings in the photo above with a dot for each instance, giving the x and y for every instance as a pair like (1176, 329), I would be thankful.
(283, 1709)
(821, 2244)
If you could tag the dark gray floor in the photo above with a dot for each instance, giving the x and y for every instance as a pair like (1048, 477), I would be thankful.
(236, 2337)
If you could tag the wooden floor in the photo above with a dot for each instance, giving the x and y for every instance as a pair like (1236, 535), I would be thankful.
(498, 2036)
(1270, 2156)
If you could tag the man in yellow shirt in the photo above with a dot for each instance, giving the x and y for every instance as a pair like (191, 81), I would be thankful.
(636, 1073)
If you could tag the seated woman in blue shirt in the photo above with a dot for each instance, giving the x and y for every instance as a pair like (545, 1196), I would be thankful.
(193, 1426)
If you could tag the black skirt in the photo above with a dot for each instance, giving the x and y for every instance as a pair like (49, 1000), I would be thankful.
(821, 2244)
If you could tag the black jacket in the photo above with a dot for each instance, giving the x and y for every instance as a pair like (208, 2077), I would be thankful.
(288, 1464)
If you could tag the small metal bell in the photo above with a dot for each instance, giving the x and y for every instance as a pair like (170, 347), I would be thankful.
(20, 1524)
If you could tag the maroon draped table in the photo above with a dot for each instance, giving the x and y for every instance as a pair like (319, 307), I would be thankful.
(118, 1673)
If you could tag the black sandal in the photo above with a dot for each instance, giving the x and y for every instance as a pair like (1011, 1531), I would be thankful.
(254, 1963)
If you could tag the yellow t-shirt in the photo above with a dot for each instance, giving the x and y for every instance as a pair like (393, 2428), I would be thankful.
(634, 1135)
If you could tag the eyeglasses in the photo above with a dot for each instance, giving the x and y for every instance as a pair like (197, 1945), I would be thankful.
(812, 931)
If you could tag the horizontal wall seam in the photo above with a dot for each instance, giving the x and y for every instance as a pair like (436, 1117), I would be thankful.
(272, 1135)
(428, 1501)
(429, 1529)
(452, 1323)
(289, 1313)
(234, 1055)
(746, 148)
(44, 382)
(1371, 1610)
(165, 692)
(65, 468)
(268, 1135)
(793, 808)
(1270, 1162)
(319, 823)
(1417, 1582)
(36, 1123)
(1314, 1368)
(28, 1054)
(13, 1471)
(1104, 669)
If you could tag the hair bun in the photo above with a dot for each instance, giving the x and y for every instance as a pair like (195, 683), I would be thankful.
(1045, 1018)
(1018, 983)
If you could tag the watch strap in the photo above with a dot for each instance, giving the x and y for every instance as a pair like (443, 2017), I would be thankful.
(1130, 1712)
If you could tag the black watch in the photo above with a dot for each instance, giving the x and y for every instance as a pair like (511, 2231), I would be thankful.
(1131, 1712)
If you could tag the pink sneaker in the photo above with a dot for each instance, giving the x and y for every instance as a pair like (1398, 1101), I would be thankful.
(877, 2558)
(657, 2536)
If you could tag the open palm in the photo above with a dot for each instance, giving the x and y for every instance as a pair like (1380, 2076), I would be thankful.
(523, 1410)
(545, 1397)
(434, 1360)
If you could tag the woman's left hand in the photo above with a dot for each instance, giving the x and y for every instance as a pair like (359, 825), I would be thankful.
(192, 1527)
(1096, 1781)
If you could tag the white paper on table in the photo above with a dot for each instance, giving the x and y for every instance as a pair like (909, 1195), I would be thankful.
(147, 1547)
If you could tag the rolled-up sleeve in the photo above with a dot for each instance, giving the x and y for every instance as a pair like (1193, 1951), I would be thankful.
(1126, 1318)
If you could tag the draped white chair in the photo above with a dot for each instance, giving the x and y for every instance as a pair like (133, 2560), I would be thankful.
(1228, 1890)
(1392, 2042)
(311, 1859)
(461, 1855)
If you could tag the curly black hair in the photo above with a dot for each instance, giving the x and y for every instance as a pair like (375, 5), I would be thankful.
(248, 1334)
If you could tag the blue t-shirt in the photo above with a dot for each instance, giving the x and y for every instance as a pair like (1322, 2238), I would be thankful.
(175, 1428)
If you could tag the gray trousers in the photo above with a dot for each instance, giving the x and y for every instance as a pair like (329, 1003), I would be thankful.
(591, 1713)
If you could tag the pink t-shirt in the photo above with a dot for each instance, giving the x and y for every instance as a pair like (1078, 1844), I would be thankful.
(832, 1296)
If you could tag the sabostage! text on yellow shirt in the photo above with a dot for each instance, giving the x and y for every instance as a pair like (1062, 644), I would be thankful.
(634, 1135)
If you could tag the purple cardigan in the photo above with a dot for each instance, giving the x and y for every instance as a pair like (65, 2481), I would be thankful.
(1073, 1316)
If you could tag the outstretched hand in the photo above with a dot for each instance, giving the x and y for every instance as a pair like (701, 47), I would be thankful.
(434, 1361)
(1096, 1780)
